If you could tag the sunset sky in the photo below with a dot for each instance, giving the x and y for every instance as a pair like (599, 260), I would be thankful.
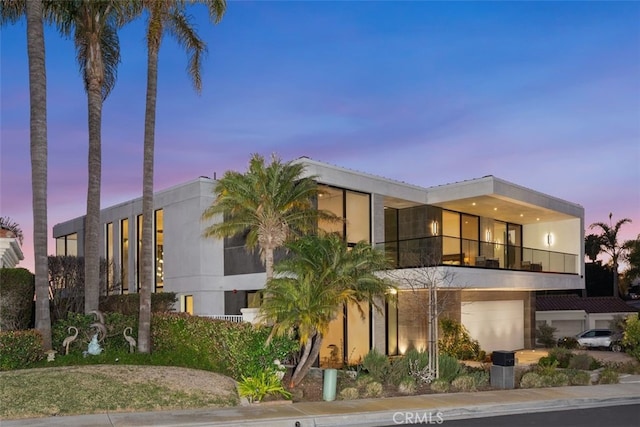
(542, 94)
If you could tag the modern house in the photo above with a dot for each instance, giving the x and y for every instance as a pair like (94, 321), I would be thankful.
(488, 243)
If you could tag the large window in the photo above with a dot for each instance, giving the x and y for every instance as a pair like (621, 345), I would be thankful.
(67, 245)
(353, 207)
(124, 254)
(159, 227)
(138, 250)
(108, 240)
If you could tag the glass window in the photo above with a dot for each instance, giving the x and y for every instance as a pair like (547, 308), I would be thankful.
(72, 244)
(187, 304)
(358, 217)
(61, 246)
(124, 254)
(331, 199)
(138, 251)
(159, 246)
(108, 239)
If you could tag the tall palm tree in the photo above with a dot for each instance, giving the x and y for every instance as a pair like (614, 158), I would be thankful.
(94, 24)
(12, 11)
(313, 283)
(273, 204)
(610, 245)
(164, 15)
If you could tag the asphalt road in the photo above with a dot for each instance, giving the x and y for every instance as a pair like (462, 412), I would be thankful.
(618, 416)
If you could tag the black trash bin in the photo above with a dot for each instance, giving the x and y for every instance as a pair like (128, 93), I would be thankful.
(503, 369)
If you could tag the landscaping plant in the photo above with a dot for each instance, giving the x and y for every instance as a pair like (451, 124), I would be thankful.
(257, 387)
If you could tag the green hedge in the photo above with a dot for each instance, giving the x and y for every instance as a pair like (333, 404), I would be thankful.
(114, 341)
(17, 287)
(233, 349)
(20, 349)
(129, 304)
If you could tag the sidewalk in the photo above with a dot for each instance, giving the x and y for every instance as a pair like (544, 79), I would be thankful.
(370, 412)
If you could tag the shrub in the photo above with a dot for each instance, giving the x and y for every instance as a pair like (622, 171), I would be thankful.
(66, 278)
(373, 389)
(577, 377)
(376, 364)
(557, 379)
(480, 376)
(349, 393)
(440, 386)
(631, 336)
(17, 286)
(562, 355)
(568, 343)
(20, 349)
(234, 349)
(532, 380)
(412, 365)
(547, 366)
(464, 383)
(544, 335)
(407, 386)
(608, 376)
(113, 342)
(129, 304)
(257, 387)
(449, 367)
(456, 341)
(581, 361)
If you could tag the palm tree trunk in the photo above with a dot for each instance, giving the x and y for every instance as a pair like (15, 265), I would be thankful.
(305, 365)
(268, 262)
(38, 123)
(146, 283)
(92, 221)
(303, 358)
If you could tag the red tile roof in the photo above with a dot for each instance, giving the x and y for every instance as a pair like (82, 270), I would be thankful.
(589, 304)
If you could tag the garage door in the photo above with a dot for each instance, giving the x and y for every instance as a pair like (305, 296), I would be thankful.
(497, 325)
(567, 328)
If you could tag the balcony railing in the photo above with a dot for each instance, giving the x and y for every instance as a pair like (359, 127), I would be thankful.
(443, 250)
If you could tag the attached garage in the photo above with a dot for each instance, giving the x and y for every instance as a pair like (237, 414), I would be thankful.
(497, 325)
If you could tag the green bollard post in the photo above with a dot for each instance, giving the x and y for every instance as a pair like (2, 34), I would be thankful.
(329, 386)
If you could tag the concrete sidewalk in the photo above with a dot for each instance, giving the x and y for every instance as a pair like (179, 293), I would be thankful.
(426, 409)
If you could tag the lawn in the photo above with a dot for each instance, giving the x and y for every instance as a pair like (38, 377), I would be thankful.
(91, 389)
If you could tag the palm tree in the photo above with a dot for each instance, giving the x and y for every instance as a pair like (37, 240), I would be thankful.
(272, 204)
(170, 16)
(610, 245)
(12, 11)
(94, 24)
(592, 246)
(312, 284)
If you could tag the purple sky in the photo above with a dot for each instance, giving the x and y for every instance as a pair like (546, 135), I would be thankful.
(543, 94)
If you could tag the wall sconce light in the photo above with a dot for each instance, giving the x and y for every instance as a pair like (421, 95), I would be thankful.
(434, 228)
(487, 235)
(549, 239)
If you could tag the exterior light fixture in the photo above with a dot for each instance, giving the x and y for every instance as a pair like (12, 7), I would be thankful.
(434, 228)
(549, 239)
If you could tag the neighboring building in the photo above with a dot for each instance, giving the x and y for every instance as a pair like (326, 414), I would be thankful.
(571, 314)
(10, 250)
(499, 243)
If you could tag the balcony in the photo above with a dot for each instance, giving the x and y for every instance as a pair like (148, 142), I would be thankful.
(443, 250)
